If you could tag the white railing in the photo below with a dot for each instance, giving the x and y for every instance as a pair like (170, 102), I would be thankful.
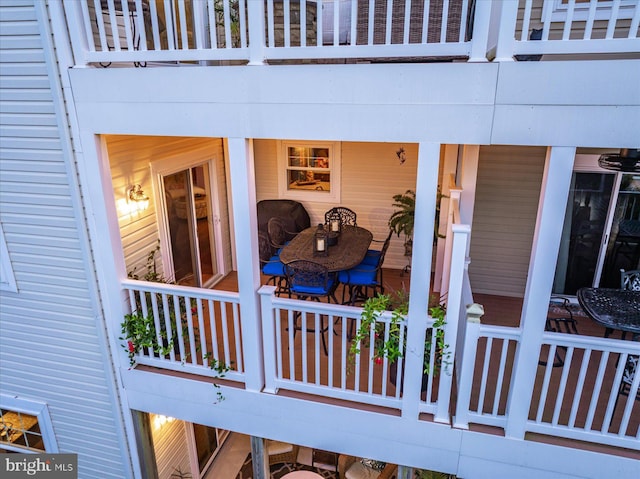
(579, 397)
(295, 358)
(484, 374)
(139, 31)
(192, 326)
(576, 391)
(295, 334)
(568, 27)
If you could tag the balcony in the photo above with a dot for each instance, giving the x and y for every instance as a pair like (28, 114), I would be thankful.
(574, 398)
(192, 32)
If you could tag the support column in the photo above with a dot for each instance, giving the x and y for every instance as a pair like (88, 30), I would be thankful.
(245, 220)
(546, 242)
(259, 458)
(426, 192)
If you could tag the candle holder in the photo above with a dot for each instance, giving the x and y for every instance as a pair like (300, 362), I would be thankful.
(320, 242)
(334, 223)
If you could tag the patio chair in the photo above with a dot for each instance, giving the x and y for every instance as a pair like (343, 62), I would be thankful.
(560, 320)
(373, 255)
(280, 452)
(270, 264)
(347, 216)
(630, 279)
(278, 233)
(364, 280)
(351, 467)
(310, 280)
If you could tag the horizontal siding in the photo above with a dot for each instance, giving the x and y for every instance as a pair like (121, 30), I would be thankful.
(129, 159)
(506, 205)
(51, 345)
(363, 165)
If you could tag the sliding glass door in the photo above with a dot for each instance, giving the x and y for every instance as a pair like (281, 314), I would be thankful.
(189, 225)
(601, 232)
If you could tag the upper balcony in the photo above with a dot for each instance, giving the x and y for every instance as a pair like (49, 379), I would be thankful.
(193, 32)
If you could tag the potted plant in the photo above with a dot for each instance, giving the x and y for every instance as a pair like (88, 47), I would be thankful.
(401, 220)
(393, 348)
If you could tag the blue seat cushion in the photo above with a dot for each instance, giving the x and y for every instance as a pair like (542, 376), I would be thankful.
(312, 289)
(362, 274)
(274, 267)
(372, 257)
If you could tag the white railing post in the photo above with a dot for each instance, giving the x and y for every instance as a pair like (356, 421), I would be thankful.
(480, 34)
(243, 187)
(267, 293)
(454, 201)
(256, 32)
(426, 194)
(458, 258)
(80, 42)
(465, 366)
(542, 264)
(506, 30)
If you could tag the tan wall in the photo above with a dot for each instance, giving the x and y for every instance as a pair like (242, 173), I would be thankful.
(506, 205)
(130, 157)
(371, 175)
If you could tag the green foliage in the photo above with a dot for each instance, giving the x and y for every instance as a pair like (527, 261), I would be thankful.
(221, 369)
(178, 473)
(139, 330)
(393, 348)
(401, 220)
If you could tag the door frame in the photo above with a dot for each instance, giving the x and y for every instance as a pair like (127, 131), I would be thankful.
(586, 163)
(174, 164)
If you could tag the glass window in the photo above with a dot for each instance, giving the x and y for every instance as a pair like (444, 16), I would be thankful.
(310, 171)
(25, 426)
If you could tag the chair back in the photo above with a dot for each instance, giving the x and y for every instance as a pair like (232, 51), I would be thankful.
(277, 230)
(307, 277)
(265, 250)
(385, 247)
(630, 280)
(347, 216)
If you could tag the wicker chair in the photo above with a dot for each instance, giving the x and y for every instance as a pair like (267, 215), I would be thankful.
(351, 467)
(280, 452)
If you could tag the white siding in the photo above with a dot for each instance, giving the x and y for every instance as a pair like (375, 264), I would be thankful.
(507, 193)
(371, 176)
(53, 347)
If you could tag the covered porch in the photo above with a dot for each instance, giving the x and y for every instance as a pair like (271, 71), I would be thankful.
(473, 391)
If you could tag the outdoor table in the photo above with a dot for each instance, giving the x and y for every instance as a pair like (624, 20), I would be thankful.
(612, 308)
(349, 251)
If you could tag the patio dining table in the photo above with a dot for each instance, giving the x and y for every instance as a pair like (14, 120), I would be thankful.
(349, 251)
(612, 308)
